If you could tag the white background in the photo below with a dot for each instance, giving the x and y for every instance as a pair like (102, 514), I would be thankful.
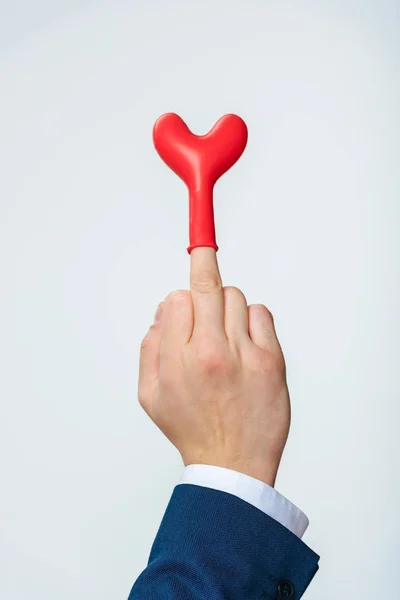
(93, 234)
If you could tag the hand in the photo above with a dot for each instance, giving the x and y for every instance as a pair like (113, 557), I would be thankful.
(212, 376)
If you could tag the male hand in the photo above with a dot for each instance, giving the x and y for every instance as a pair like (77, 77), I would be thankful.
(212, 376)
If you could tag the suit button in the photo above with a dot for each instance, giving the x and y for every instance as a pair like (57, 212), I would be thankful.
(285, 590)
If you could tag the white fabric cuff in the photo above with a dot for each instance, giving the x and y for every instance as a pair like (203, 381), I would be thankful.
(251, 490)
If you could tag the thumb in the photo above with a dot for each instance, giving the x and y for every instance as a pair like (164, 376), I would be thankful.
(149, 363)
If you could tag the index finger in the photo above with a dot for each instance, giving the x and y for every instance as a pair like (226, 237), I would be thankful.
(206, 290)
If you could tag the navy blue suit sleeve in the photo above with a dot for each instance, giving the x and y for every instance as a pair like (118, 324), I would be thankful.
(215, 546)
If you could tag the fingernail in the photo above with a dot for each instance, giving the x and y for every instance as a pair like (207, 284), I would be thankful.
(157, 316)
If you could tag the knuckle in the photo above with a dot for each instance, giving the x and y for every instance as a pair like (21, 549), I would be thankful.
(145, 343)
(265, 311)
(143, 398)
(232, 291)
(178, 297)
(269, 362)
(150, 338)
(212, 359)
(206, 282)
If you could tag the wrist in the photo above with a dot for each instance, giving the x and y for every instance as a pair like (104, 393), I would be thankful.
(258, 470)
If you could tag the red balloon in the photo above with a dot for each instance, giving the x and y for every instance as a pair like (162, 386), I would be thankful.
(200, 160)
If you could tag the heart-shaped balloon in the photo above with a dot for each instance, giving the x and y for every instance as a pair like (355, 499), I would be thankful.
(199, 160)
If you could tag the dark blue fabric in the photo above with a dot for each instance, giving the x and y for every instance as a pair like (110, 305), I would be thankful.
(214, 546)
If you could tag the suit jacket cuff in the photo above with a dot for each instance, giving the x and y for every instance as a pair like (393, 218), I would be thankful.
(251, 490)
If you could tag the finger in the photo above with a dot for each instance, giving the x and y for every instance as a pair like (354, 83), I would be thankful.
(236, 314)
(206, 290)
(177, 320)
(149, 362)
(261, 327)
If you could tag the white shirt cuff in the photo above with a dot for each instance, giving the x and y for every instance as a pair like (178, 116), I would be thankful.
(251, 490)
